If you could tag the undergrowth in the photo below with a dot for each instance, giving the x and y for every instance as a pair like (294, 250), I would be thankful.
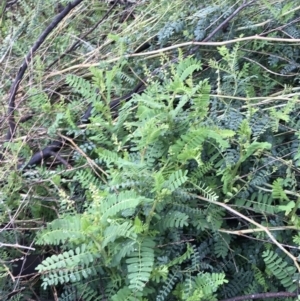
(168, 169)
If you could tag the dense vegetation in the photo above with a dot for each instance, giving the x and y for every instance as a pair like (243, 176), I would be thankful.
(150, 150)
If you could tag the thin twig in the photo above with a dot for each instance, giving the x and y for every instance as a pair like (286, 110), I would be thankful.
(268, 70)
(262, 296)
(245, 231)
(225, 22)
(17, 246)
(166, 49)
(265, 229)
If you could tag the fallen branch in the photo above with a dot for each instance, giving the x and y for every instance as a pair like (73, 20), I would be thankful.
(262, 296)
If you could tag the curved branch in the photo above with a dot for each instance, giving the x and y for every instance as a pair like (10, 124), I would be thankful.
(225, 22)
(53, 148)
(44, 154)
(264, 229)
(28, 58)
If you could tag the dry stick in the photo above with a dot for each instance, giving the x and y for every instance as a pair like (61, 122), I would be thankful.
(83, 36)
(16, 246)
(245, 231)
(225, 22)
(262, 296)
(266, 69)
(92, 164)
(265, 229)
(23, 68)
(185, 44)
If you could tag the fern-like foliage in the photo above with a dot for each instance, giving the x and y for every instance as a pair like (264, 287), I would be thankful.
(280, 269)
(140, 264)
(72, 266)
(161, 189)
(157, 200)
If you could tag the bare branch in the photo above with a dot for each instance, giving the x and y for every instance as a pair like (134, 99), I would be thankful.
(262, 296)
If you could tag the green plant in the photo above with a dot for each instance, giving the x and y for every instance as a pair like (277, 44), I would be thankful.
(186, 188)
(147, 181)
